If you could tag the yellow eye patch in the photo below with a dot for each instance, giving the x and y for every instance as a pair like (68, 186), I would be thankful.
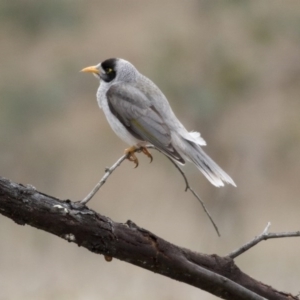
(108, 70)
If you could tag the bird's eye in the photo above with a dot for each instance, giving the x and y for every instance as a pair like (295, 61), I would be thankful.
(108, 70)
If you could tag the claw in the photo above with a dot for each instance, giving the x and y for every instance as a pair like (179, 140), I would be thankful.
(131, 156)
(130, 152)
(146, 152)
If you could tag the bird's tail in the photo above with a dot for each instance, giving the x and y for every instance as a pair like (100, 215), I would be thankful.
(194, 153)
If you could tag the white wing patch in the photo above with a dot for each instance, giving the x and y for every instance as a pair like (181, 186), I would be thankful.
(196, 138)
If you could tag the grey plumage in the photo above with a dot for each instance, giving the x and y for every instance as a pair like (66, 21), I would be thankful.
(140, 114)
(134, 110)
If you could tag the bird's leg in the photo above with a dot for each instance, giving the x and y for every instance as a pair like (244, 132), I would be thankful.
(146, 152)
(130, 152)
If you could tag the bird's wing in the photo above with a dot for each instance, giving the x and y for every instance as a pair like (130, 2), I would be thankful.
(136, 112)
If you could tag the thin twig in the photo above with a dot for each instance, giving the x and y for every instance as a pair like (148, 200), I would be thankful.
(263, 236)
(267, 228)
(187, 187)
(109, 171)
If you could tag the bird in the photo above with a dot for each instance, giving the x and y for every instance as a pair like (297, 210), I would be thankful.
(140, 115)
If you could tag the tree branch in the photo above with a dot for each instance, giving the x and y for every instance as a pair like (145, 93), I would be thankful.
(263, 236)
(109, 171)
(188, 187)
(128, 242)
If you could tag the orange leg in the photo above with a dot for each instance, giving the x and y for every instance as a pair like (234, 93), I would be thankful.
(130, 152)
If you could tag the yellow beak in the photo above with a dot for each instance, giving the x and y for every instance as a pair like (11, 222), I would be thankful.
(92, 69)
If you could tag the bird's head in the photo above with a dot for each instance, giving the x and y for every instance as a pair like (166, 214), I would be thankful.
(113, 69)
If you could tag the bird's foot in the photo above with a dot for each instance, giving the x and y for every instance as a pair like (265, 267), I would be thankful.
(130, 152)
(146, 152)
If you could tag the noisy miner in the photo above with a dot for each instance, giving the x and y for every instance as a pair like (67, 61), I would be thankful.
(140, 114)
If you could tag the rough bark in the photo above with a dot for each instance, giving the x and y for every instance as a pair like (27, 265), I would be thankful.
(128, 242)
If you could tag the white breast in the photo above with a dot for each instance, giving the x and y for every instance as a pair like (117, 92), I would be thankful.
(114, 123)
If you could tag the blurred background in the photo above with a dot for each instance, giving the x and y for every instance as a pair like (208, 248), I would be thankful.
(230, 69)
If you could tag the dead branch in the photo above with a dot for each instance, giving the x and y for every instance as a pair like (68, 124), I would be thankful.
(263, 236)
(109, 171)
(128, 242)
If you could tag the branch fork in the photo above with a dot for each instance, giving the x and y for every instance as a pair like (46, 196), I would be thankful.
(109, 171)
(128, 242)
